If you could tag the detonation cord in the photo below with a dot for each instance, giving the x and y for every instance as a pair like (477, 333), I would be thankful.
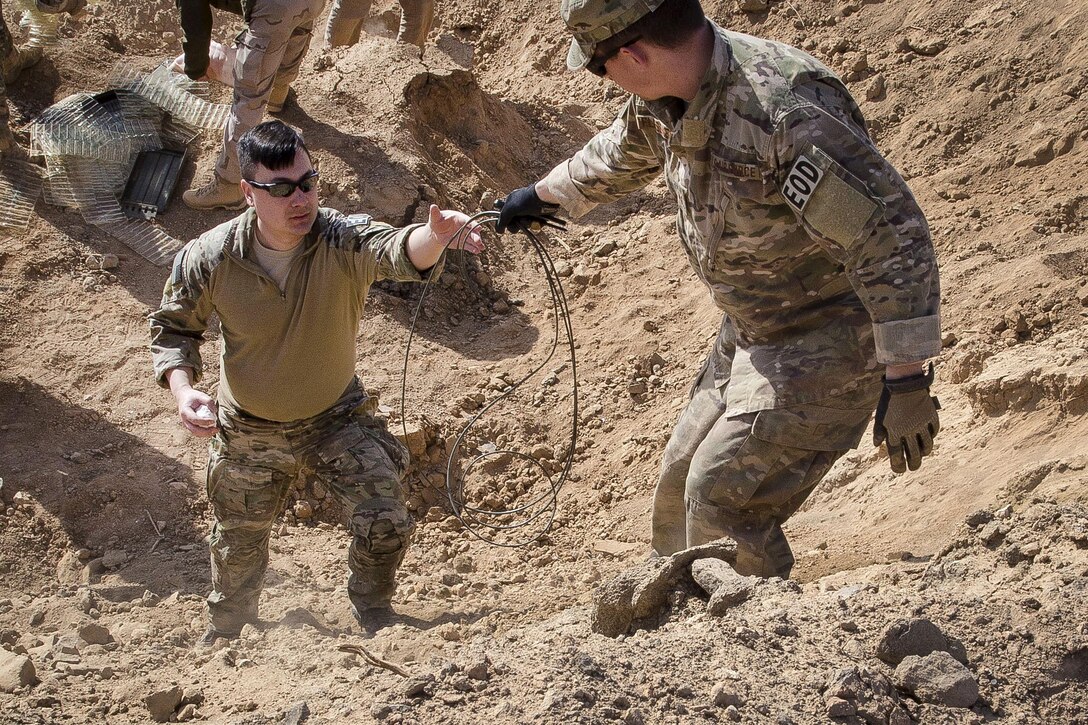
(486, 523)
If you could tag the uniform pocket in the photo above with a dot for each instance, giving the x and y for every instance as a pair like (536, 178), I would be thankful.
(823, 426)
(241, 492)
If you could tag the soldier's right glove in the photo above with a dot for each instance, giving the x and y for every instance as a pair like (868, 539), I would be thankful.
(523, 209)
(906, 420)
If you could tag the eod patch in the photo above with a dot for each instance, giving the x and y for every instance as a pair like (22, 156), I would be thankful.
(829, 199)
(801, 182)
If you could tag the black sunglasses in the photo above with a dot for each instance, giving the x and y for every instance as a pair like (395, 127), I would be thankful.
(596, 63)
(282, 189)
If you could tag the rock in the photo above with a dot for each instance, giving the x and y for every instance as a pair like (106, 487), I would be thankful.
(876, 89)
(604, 249)
(838, 707)
(411, 435)
(937, 679)
(927, 45)
(297, 714)
(114, 558)
(729, 693)
(16, 671)
(161, 704)
(419, 686)
(752, 6)
(726, 588)
(86, 600)
(187, 713)
(641, 590)
(302, 509)
(872, 695)
(109, 261)
(479, 670)
(916, 637)
(94, 633)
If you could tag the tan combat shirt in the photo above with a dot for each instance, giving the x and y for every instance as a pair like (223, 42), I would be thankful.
(806, 237)
(284, 355)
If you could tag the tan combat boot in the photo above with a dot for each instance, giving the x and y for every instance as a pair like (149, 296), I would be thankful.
(18, 61)
(216, 194)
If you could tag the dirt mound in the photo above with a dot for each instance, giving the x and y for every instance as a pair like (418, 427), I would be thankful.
(981, 104)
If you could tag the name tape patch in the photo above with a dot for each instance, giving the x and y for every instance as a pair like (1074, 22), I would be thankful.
(802, 180)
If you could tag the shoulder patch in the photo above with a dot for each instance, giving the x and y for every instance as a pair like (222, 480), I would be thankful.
(802, 180)
(358, 220)
(829, 199)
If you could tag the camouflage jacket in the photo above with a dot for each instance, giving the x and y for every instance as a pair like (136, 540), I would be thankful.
(284, 354)
(196, 27)
(808, 240)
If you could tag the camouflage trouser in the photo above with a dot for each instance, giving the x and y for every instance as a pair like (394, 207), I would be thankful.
(7, 47)
(347, 16)
(252, 465)
(743, 476)
(270, 51)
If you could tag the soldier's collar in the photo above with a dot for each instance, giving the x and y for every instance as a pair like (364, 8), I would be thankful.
(695, 127)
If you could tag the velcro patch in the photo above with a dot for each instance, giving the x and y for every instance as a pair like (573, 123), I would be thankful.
(829, 199)
(802, 180)
(358, 220)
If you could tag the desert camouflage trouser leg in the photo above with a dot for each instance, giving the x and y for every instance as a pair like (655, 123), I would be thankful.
(347, 16)
(270, 51)
(252, 465)
(743, 476)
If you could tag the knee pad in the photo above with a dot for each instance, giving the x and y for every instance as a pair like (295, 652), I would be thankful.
(382, 527)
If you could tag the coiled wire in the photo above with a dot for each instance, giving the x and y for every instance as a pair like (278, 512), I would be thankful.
(535, 516)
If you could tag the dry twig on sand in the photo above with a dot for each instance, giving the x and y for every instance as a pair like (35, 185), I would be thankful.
(377, 661)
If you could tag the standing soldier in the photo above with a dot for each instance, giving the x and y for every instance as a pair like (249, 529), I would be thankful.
(347, 16)
(806, 238)
(270, 50)
(288, 282)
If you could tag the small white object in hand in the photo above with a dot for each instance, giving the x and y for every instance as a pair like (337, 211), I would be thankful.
(205, 413)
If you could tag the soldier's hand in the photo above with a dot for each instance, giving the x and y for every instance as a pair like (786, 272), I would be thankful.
(523, 209)
(197, 413)
(907, 420)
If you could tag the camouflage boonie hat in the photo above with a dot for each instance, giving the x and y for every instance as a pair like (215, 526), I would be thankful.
(592, 21)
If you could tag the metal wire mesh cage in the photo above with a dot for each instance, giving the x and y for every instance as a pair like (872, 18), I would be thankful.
(91, 144)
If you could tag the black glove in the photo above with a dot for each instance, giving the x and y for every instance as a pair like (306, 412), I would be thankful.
(906, 420)
(523, 210)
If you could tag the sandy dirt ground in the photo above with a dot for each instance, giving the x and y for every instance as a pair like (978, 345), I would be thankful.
(953, 594)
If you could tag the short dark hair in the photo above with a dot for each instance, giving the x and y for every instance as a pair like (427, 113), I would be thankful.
(272, 144)
(670, 25)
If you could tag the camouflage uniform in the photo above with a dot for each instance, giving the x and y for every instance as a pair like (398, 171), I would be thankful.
(346, 21)
(270, 51)
(251, 467)
(271, 339)
(816, 251)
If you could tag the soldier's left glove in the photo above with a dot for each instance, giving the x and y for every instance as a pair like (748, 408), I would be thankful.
(906, 420)
(523, 209)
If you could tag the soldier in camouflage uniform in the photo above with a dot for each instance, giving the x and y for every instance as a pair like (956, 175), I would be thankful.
(270, 51)
(288, 281)
(346, 22)
(806, 238)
